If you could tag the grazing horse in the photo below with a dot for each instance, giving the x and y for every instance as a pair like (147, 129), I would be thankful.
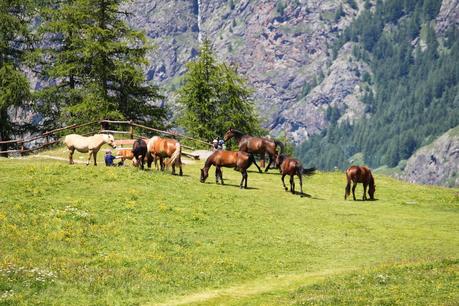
(139, 150)
(89, 144)
(291, 166)
(124, 154)
(255, 145)
(238, 160)
(360, 174)
(158, 147)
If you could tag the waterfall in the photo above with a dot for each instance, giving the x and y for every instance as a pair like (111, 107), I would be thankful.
(199, 21)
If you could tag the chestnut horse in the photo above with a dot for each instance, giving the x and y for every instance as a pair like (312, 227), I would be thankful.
(158, 147)
(360, 174)
(292, 167)
(139, 150)
(240, 161)
(89, 144)
(255, 145)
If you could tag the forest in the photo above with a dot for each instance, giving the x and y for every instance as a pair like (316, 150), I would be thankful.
(412, 94)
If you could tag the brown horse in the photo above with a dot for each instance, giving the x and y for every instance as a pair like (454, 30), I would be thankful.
(292, 167)
(255, 145)
(139, 150)
(158, 147)
(360, 174)
(240, 161)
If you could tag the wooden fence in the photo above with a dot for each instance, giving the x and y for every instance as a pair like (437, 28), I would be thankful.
(49, 137)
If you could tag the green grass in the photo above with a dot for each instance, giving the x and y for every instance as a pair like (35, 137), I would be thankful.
(116, 235)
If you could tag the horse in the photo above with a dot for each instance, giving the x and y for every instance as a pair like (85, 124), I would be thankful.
(89, 144)
(255, 145)
(139, 150)
(158, 147)
(360, 174)
(124, 154)
(291, 166)
(239, 160)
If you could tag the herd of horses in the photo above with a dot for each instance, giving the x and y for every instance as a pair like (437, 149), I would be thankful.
(159, 149)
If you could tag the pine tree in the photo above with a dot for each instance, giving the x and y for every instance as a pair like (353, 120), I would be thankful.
(14, 86)
(96, 63)
(215, 98)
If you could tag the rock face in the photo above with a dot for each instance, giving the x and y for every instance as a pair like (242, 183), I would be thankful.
(448, 16)
(280, 48)
(437, 163)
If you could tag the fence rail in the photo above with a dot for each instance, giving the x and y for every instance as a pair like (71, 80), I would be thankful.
(22, 149)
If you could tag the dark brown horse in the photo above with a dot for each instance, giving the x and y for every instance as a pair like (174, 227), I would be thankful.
(291, 166)
(256, 145)
(161, 148)
(360, 174)
(240, 161)
(139, 150)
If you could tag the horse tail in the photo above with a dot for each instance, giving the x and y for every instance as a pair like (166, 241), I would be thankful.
(280, 144)
(309, 171)
(347, 191)
(176, 154)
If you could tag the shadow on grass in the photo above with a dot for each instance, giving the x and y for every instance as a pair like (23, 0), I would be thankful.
(231, 185)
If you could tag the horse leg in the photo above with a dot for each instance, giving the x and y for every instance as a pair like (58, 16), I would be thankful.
(301, 183)
(353, 190)
(292, 184)
(71, 151)
(220, 172)
(94, 155)
(364, 192)
(285, 187)
(217, 168)
(270, 162)
(173, 168)
(246, 177)
(161, 163)
(149, 160)
(89, 157)
(180, 166)
(255, 163)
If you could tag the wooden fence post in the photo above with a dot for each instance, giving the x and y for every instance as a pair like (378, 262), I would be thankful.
(131, 130)
(21, 146)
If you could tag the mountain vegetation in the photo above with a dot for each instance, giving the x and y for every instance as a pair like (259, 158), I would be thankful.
(215, 98)
(94, 60)
(14, 85)
(411, 96)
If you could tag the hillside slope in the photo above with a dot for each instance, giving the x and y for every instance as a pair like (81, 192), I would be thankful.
(104, 235)
(436, 163)
(282, 47)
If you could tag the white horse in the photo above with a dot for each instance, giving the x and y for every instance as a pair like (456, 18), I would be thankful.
(89, 144)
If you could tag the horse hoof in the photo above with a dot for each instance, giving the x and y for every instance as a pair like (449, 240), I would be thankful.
(286, 189)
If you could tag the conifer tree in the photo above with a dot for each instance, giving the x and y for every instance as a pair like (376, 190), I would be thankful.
(215, 98)
(14, 86)
(96, 63)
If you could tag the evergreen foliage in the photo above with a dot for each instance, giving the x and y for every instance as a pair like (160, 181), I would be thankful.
(415, 94)
(215, 98)
(14, 40)
(94, 61)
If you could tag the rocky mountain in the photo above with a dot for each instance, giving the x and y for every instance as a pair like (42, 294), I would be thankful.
(437, 163)
(282, 47)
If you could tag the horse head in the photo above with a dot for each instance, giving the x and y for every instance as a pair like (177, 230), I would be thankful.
(228, 135)
(110, 140)
(371, 191)
(204, 175)
(279, 159)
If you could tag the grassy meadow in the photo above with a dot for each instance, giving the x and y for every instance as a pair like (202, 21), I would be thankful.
(85, 235)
